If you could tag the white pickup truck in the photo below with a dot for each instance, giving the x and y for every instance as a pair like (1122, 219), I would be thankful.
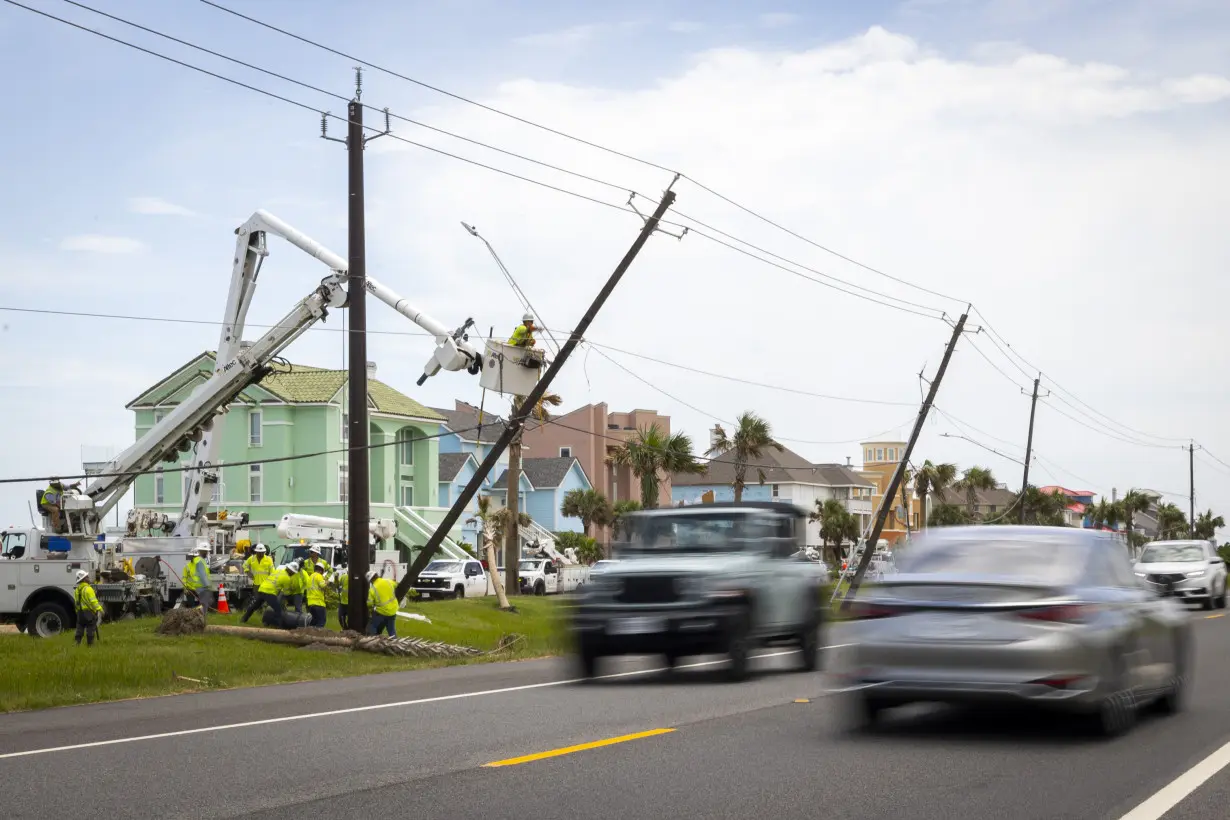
(453, 579)
(543, 576)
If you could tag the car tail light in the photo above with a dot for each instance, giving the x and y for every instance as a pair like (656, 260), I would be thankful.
(865, 611)
(1059, 614)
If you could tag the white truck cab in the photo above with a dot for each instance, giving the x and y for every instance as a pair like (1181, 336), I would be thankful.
(545, 576)
(447, 578)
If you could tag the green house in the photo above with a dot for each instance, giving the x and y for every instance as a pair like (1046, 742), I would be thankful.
(301, 411)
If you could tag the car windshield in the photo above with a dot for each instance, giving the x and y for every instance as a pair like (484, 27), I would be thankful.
(1165, 553)
(528, 566)
(1028, 558)
(444, 566)
(719, 531)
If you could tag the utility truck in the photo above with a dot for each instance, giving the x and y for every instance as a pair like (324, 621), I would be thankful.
(327, 535)
(39, 564)
(548, 576)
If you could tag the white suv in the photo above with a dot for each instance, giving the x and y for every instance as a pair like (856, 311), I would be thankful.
(1194, 568)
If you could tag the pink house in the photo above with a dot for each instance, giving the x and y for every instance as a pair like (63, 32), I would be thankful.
(590, 434)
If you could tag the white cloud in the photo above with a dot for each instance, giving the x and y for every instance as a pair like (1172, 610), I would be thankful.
(1062, 198)
(777, 19)
(98, 243)
(685, 27)
(154, 206)
(573, 36)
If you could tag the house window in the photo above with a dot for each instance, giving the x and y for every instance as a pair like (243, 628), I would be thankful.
(407, 495)
(343, 483)
(159, 415)
(565, 452)
(405, 446)
(879, 455)
(345, 435)
(254, 428)
(255, 483)
(160, 488)
(775, 491)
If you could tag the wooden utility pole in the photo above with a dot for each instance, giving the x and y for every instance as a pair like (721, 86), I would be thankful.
(891, 492)
(1029, 444)
(521, 413)
(1191, 499)
(358, 476)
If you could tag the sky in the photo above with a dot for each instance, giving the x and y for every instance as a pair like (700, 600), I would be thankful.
(1058, 164)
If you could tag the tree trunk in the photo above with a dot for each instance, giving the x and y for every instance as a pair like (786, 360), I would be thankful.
(512, 534)
(905, 504)
(922, 503)
(738, 484)
(496, 580)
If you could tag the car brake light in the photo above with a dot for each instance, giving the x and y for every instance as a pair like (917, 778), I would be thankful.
(865, 611)
(1061, 613)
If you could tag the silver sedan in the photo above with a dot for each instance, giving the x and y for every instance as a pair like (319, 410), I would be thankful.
(1050, 616)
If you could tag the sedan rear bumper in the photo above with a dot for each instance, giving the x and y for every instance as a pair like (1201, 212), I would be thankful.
(1072, 693)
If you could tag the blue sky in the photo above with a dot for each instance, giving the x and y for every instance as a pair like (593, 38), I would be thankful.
(940, 153)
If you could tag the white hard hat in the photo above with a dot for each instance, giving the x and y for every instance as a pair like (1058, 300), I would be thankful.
(373, 575)
(293, 566)
(203, 548)
(260, 548)
(313, 550)
(82, 575)
(528, 317)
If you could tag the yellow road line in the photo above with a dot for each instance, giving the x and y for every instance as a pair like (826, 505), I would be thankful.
(580, 747)
(1218, 615)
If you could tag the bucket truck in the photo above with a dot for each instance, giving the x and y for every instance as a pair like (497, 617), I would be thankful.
(327, 534)
(37, 565)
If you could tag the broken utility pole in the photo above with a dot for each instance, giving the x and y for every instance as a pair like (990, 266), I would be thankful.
(1029, 445)
(358, 477)
(891, 492)
(521, 413)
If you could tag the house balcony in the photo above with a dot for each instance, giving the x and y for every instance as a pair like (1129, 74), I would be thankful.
(858, 506)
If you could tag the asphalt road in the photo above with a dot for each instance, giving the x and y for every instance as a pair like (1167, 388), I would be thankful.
(416, 744)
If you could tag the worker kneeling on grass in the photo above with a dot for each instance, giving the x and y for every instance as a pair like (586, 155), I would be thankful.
(89, 611)
(267, 594)
(382, 598)
(315, 595)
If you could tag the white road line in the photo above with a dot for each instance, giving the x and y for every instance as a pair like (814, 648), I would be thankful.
(1173, 793)
(373, 707)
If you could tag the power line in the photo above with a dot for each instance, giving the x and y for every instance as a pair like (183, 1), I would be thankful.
(977, 443)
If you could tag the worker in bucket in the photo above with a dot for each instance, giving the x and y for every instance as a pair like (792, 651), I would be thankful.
(341, 581)
(49, 501)
(259, 567)
(89, 611)
(523, 335)
(382, 600)
(315, 593)
(196, 579)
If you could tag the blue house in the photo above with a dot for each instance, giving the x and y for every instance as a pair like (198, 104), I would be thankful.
(456, 470)
(460, 433)
(544, 483)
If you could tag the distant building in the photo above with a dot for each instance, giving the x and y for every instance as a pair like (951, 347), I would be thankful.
(544, 483)
(880, 460)
(1079, 501)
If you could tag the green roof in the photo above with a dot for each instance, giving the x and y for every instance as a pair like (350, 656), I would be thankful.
(301, 384)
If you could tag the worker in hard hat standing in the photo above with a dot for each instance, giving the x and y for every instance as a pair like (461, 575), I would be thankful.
(196, 580)
(382, 599)
(341, 581)
(523, 336)
(259, 567)
(315, 593)
(89, 610)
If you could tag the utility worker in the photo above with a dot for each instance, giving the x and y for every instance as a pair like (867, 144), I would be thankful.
(196, 579)
(259, 567)
(267, 594)
(523, 336)
(301, 578)
(341, 580)
(316, 594)
(382, 599)
(49, 501)
(89, 611)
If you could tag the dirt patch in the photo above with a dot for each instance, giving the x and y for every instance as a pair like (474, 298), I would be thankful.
(182, 622)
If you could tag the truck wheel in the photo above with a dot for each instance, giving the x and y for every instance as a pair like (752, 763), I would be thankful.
(459, 592)
(587, 662)
(540, 588)
(809, 645)
(47, 620)
(739, 648)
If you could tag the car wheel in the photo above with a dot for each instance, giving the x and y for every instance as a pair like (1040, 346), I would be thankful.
(865, 711)
(739, 648)
(540, 588)
(1221, 599)
(587, 662)
(1207, 603)
(671, 660)
(1117, 712)
(1176, 694)
(47, 620)
(809, 644)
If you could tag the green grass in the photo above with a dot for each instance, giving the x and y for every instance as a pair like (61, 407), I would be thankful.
(131, 661)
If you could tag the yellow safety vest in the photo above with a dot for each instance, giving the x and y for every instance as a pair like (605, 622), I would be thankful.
(382, 597)
(260, 566)
(287, 583)
(50, 497)
(192, 578)
(344, 583)
(316, 589)
(522, 337)
(270, 585)
(85, 598)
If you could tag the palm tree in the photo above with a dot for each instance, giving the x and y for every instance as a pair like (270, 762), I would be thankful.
(652, 454)
(1133, 501)
(948, 515)
(512, 538)
(752, 437)
(619, 510)
(491, 523)
(973, 480)
(836, 525)
(1171, 522)
(932, 478)
(591, 506)
(1105, 515)
(1041, 509)
(1207, 525)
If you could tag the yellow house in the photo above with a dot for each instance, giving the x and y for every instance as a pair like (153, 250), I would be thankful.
(880, 460)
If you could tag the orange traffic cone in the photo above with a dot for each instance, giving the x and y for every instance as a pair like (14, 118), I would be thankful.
(223, 607)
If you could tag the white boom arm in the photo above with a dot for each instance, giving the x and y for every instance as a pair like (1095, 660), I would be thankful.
(321, 528)
(190, 424)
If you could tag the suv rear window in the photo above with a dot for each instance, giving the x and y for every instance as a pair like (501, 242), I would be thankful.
(1033, 558)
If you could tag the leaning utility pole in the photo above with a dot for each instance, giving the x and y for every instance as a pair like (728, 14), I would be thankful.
(358, 477)
(1029, 446)
(521, 412)
(891, 492)
(1191, 499)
